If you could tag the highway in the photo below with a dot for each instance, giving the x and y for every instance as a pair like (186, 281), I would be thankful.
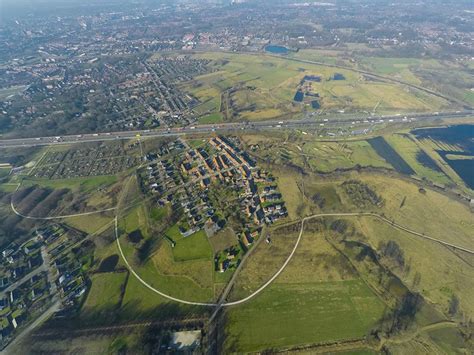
(309, 122)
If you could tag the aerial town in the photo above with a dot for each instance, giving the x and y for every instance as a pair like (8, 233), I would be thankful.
(236, 177)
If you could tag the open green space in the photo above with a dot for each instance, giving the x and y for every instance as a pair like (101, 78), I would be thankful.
(8, 187)
(136, 219)
(187, 274)
(412, 154)
(195, 246)
(294, 314)
(90, 223)
(12, 90)
(329, 156)
(424, 268)
(104, 295)
(449, 339)
(212, 118)
(249, 87)
(189, 280)
(157, 213)
(84, 184)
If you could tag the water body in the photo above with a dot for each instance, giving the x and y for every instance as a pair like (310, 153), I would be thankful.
(463, 167)
(385, 150)
(459, 135)
(299, 96)
(425, 160)
(276, 49)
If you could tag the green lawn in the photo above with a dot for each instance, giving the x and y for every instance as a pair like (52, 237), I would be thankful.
(157, 213)
(8, 187)
(212, 118)
(12, 90)
(266, 87)
(104, 295)
(136, 219)
(174, 233)
(89, 223)
(196, 246)
(408, 150)
(329, 156)
(303, 313)
(84, 184)
(189, 280)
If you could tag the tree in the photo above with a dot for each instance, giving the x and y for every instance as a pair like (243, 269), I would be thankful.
(416, 279)
(453, 305)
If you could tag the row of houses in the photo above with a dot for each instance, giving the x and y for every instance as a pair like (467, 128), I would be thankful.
(185, 180)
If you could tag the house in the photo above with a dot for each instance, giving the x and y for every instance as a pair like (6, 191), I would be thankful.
(247, 239)
(224, 265)
(4, 282)
(9, 250)
(259, 216)
(3, 303)
(14, 295)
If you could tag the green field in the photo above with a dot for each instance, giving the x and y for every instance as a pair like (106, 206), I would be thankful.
(212, 118)
(157, 213)
(196, 246)
(85, 184)
(105, 295)
(458, 278)
(190, 279)
(329, 156)
(89, 223)
(12, 90)
(136, 219)
(408, 150)
(321, 156)
(297, 314)
(8, 187)
(447, 77)
(317, 298)
(249, 87)
(400, 68)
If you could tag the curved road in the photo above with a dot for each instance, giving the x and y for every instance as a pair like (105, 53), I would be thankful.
(282, 268)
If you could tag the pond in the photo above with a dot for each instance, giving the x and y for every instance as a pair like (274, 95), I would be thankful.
(276, 49)
(460, 135)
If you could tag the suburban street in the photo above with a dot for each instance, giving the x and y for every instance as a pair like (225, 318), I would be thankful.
(42, 268)
(353, 124)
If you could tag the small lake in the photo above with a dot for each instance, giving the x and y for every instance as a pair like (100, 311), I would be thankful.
(461, 136)
(276, 49)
